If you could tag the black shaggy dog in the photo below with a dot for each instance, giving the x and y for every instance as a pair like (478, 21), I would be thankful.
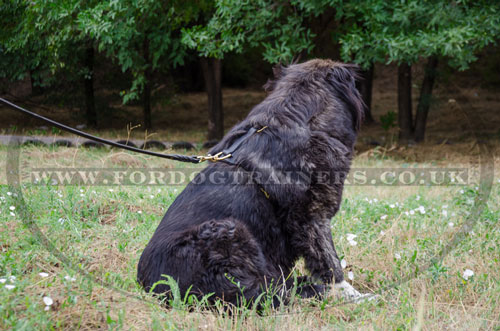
(242, 223)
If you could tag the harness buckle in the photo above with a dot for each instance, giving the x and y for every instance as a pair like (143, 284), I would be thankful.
(213, 158)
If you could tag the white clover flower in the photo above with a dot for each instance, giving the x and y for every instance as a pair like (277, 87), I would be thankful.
(139, 212)
(10, 287)
(9, 193)
(462, 192)
(392, 206)
(445, 213)
(110, 190)
(12, 208)
(421, 209)
(407, 213)
(445, 206)
(397, 256)
(350, 239)
(71, 279)
(2, 280)
(417, 198)
(48, 301)
(383, 217)
(467, 274)
(375, 200)
(412, 212)
(451, 224)
(12, 214)
(350, 275)
(43, 274)
(81, 191)
(382, 232)
(343, 264)
(350, 236)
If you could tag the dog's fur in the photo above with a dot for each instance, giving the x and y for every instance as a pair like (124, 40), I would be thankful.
(234, 240)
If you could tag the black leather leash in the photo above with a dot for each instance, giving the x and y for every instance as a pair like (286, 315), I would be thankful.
(225, 155)
(176, 157)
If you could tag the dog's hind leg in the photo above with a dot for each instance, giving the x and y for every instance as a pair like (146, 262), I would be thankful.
(234, 266)
(219, 258)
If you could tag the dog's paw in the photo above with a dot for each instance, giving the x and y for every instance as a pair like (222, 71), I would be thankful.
(327, 276)
(347, 292)
(219, 230)
(313, 290)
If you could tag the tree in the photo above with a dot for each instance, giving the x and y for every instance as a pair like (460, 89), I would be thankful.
(236, 25)
(405, 31)
(424, 101)
(44, 33)
(212, 71)
(18, 55)
(142, 36)
(365, 87)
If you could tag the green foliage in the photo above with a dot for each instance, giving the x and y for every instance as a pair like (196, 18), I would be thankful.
(234, 25)
(144, 36)
(388, 121)
(140, 35)
(370, 30)
(45, 33)
(403, 31)
(19, 52)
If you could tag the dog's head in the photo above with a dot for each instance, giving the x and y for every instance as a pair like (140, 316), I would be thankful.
(321, 77)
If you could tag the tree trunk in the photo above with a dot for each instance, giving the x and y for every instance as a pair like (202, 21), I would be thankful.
(89, 87)
(365, 85)
(404, 102)
(146, 103)
(35, 89)
(424, 101)
(146, 92)
(211, 68)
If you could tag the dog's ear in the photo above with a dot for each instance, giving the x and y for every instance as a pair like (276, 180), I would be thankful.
(343, 79)
(278, 72)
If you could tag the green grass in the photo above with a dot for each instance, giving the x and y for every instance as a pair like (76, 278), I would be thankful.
(102, 231)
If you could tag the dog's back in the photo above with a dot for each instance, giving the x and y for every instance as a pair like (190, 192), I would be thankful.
(242, 224)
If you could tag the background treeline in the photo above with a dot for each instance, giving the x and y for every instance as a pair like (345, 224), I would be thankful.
(133, 45)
